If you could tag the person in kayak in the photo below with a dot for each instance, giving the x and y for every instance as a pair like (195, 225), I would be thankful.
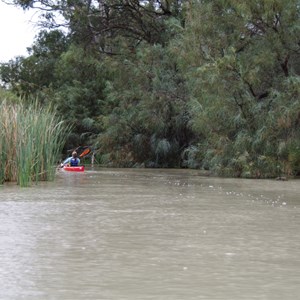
(72, 161)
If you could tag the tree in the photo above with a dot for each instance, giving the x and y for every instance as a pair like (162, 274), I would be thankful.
(30, 76)
(61, 74)
(98, 23)
(146, 117)
(78, 91)
(242, 63)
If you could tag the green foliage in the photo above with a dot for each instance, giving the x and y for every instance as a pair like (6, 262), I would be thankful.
(190, 157)
(33, 76)
(8, 96)
(293, 151)
(31, 139)
(147, 108)
(242, 68)
(78, 91)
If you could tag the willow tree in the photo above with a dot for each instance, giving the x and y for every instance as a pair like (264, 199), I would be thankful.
(145, 120)
(242, 60)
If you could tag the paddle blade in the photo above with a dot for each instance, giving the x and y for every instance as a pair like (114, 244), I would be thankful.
(83, 151)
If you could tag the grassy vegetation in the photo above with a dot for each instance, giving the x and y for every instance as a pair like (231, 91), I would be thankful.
(31, 139)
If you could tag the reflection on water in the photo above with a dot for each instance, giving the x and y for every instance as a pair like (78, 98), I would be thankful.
(150, 234)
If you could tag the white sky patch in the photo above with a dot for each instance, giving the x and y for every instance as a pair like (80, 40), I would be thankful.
(17, 31)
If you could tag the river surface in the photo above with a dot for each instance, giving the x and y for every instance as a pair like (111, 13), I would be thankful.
(138, 234)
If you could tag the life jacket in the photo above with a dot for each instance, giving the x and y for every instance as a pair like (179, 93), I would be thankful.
(74, 162)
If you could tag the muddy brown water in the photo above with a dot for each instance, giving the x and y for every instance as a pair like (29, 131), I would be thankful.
(126, 234)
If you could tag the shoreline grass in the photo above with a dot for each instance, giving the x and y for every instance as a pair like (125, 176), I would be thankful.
(31, 139)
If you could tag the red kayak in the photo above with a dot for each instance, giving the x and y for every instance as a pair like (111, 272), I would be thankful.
(74, 169)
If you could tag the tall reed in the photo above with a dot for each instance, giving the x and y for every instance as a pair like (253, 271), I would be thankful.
(31, 139)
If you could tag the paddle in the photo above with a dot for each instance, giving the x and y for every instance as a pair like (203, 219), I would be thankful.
(82, 151)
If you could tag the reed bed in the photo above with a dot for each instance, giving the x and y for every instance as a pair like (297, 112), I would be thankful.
(31, 139)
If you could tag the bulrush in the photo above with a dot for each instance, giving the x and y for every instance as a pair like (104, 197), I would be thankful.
(31, 139)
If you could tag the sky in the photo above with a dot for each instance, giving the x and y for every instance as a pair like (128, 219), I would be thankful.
(17, 31)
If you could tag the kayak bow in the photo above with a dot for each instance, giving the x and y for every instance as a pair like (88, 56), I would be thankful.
(74, 169)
